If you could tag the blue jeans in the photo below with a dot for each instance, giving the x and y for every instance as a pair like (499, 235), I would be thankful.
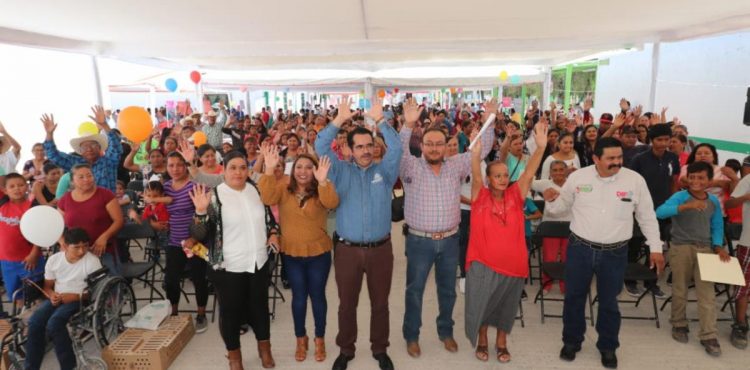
(112, 263)
(581, 264)
(421, 254)
(50, 321)
(308, 277)
(13, 272)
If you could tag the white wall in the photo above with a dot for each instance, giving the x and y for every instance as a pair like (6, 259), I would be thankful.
(703, 82)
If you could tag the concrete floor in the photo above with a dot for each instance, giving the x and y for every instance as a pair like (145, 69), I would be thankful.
(535, 346)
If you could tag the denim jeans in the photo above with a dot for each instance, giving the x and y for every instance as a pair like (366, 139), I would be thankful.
(308, 277)
(112, 263)
(581, 264)
(50, 321)
(421, 254)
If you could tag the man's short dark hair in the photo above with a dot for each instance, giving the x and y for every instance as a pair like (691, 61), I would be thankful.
(357, 131)
(76, 235)
(14, 175)
(435, 129)
(700, 166)
(604, 143)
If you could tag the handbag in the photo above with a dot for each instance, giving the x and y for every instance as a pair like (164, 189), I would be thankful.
(397, 207)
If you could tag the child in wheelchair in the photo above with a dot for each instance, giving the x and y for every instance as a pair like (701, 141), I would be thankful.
(64, 283)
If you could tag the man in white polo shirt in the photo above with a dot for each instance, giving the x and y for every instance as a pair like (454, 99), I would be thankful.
(603, 199)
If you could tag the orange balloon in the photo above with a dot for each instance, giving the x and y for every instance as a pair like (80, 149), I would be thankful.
(199, 138)
(381, 93)
(135, 124)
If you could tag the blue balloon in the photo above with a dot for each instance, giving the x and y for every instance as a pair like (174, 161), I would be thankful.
(365, 104)
(171, 84)
(515, 79)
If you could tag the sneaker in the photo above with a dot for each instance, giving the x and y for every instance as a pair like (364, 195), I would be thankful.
(462, 285)
(633, 290)
(201, 324)
(680, 334)
(712, 347)
(739, 336)
(658, 292)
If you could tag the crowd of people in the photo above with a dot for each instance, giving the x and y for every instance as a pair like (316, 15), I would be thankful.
(264, 185)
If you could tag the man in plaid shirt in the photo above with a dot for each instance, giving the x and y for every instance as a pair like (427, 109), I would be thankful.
(432, 185)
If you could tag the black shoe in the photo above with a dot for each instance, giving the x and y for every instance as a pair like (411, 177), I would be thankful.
(342, 362)
(384, 362)
(609, 359)
(658, 292)
(285, 283)
(524, 296)
(568, 352)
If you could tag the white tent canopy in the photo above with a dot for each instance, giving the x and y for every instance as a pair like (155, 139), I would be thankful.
(365, 35)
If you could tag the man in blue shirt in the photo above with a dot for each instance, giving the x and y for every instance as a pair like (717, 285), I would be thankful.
(90, 149)
(363, 225)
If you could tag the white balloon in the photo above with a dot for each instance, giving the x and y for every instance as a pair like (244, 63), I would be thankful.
(42, 226)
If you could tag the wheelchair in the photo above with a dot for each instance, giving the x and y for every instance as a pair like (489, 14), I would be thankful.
(109, 304)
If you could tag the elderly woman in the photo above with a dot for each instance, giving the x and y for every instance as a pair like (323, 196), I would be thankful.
(303, 203)
(33, 168)
(44, 191)
(94, 209)
(497, 259)
(239, 229)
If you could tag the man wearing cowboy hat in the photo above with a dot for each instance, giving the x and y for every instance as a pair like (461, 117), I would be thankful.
(214, 122)
(8, 158)
(90, 147)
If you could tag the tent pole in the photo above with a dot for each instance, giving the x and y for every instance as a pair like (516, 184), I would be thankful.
(97, 80)
(568, 86)
(247, 101)
(152, 101)
(655, 53)
(523, 105)
(368, 88)
(546, 88)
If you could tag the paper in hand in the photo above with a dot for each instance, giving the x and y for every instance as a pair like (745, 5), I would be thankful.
(714, 270)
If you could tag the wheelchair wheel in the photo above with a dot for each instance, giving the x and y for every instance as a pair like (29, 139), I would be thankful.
(15, 361)
(92, 363)
(114, 304)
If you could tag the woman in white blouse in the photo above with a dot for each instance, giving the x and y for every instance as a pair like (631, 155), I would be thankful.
(565, 153)
(239, 230)
(553, 249)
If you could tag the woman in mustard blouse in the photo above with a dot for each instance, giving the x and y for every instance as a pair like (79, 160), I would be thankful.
(304, 203)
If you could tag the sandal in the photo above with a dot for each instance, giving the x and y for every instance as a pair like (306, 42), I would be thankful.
(244, 328)
(482, 353)
(503, 355)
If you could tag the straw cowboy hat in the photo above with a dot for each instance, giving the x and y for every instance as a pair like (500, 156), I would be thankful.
(185, 120)
(211, 113)
(98, 138)
(5, 144)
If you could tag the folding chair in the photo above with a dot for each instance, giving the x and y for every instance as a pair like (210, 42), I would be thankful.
(535, 248)
(637, 271)
(276, 261)
(554, 270)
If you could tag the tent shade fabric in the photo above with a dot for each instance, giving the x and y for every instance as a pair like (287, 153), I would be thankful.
(365, 35)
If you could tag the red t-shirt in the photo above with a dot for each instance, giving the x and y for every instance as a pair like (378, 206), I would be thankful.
(497, 238)
(90, 215)
(13, 246)
(157, 211)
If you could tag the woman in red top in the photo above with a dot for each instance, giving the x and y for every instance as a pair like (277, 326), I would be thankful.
(94, 209)
(497, 259)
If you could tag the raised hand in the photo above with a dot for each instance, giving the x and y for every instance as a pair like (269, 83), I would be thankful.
(48, 120)
(271, 157)
(187, 151)
(490, 107)
(321, 173)
(412, 112)
(540, 133)
(200, 197)
(100, 117)
(376, 110)
(638, 110)
(2, 129)
(619, 121)
(344, 111)
(588, 103)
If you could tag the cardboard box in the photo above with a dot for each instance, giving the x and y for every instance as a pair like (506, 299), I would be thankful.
(139, 349)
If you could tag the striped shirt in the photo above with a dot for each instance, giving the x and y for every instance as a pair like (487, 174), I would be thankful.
(181, 212)
(433, 202)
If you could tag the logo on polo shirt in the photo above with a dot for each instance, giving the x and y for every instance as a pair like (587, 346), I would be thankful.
(585, 188)
(377, 178)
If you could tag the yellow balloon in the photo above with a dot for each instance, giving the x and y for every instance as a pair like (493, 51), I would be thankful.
(87, 128)
(503, 75)
(135, 124)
